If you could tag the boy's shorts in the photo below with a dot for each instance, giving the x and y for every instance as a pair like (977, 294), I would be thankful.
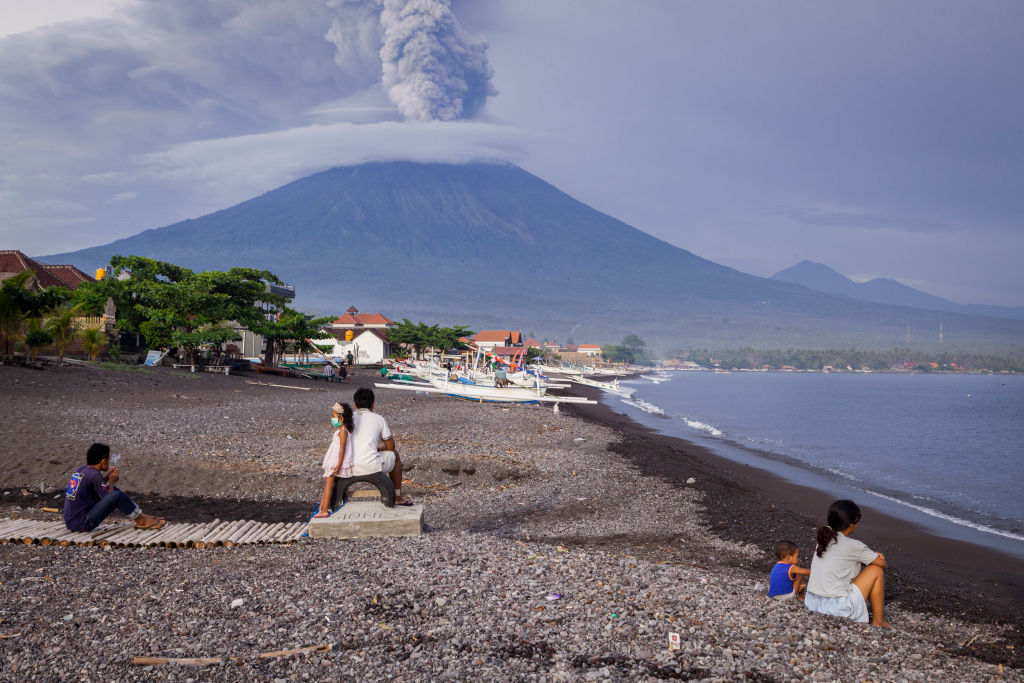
(387, 461)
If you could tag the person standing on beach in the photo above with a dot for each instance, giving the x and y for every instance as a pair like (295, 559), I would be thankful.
(338, 458)
(370, 432)
(845, 573)
(91, 495)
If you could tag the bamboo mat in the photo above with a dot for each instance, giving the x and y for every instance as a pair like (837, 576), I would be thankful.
(202, 535)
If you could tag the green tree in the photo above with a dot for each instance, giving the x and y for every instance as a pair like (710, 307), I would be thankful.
(36, 337)
(62, 326)
(617, 354)
(289, 325)
(94, 341)
(633, 342)
(12, 308)
(178, 307)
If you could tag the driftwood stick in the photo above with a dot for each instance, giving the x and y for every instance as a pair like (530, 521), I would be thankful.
(326, 647)
(187, 661)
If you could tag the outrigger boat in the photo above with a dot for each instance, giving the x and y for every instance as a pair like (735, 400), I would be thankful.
(476, 390)
(611, 387)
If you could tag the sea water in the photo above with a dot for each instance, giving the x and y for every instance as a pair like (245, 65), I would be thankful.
(946, 451)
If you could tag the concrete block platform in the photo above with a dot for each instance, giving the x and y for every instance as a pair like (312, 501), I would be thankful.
(369, 519)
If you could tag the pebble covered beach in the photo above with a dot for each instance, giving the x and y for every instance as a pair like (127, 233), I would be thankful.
(547, 554)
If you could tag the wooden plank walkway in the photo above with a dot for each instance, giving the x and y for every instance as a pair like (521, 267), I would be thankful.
(125, 535)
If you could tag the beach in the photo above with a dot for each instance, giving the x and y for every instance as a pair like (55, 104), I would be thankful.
(558, 546)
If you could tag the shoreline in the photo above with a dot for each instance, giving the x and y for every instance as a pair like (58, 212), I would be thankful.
(756, 506)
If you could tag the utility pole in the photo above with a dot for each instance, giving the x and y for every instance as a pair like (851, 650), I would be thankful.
(908, 334)
(940, 332)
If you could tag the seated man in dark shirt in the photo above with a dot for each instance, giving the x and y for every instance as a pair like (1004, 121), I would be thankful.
(91, 495)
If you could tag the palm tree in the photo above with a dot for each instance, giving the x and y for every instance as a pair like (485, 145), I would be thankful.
(63, 327)
(93, 342)
(36, 337)
(12, 311)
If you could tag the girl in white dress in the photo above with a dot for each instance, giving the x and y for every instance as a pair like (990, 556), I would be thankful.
(338, 458)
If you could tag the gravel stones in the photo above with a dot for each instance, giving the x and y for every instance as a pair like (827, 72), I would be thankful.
(631, 558)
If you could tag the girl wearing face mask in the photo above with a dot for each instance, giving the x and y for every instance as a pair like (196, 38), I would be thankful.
(338, 457)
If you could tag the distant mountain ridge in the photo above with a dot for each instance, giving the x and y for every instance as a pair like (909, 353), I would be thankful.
(884, 290)
(493, 246)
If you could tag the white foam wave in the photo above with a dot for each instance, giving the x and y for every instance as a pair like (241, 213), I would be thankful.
(643, 405)
(701, 426)
(932, 512)
(658, 378)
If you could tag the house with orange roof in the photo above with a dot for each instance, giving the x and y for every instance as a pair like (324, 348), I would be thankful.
(589, 349)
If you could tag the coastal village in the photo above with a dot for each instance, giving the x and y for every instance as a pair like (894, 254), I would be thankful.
(367, 338)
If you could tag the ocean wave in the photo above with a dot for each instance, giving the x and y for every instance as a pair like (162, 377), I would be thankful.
(932, 512)
(658, 378)
(701, 426)
(643, 405)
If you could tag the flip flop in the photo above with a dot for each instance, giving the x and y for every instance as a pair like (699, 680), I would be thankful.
(407, 503)
(159, 524)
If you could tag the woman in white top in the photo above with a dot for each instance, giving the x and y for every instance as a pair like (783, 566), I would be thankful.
(337, 453)
(845, 573)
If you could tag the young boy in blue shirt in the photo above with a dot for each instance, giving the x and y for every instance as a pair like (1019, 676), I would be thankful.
(787, 579)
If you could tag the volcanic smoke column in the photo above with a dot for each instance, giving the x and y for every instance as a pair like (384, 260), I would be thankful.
(433, 69)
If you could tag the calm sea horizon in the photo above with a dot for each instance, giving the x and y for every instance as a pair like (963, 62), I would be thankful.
(942, 450)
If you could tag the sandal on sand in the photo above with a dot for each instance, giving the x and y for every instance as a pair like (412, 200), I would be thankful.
(405, 503)
(152, 526)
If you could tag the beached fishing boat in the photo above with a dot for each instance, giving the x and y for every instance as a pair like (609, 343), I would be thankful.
(610, 387)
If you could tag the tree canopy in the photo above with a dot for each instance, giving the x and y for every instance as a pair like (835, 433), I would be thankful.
(420, 336)
(174, 306)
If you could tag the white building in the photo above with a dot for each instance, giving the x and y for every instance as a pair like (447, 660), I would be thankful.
(364, 335)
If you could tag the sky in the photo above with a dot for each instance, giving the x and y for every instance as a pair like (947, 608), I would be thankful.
(882, 139)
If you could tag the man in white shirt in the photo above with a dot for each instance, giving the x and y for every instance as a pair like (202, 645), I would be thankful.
(370, 431)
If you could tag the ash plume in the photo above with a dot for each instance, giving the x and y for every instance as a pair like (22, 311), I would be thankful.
(432, 68)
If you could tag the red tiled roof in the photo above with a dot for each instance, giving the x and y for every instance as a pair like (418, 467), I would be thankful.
(71, 276)
(13, 262)
(532, 342)
(375, 331)
(510, 336)
(354, 319)
(589, 346)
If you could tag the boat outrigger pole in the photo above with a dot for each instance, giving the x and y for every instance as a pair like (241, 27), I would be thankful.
(322, 354)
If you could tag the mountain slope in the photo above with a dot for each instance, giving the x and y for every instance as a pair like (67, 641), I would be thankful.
(822, 278)
(494, 246)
